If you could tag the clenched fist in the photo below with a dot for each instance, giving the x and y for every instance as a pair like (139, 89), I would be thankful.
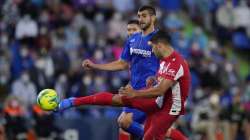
(88, 64)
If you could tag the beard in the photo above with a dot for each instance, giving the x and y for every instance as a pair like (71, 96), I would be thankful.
(144, 26)
(158, 55)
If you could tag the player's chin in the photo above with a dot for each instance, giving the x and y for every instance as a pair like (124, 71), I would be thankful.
(143, 26)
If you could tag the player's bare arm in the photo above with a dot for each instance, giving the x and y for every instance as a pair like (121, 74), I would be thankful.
(150, 81)
(152, 92)
(112, 66)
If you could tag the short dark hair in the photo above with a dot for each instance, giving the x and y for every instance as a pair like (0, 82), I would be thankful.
(133, 21)
(161, 36)
(150, 9)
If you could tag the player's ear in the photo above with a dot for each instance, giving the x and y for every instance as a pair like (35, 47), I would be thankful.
(153, 18)
(150, 43)
(160, 45)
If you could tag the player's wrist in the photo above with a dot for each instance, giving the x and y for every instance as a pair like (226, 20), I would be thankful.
(96, 66)
(134, 95)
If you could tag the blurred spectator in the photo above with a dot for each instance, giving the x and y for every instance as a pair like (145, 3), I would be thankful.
(21, 59)
(225, 20)
(2, 124)
(44, 124)
(59, 38)
(172, 22)
(72, 36)
(4, 40)
(235, 114)
(199, 37)
(246, 103)
(123, 6)
(60, 60)
(17, 125)
(87, 31)
(224, 15)
(24, 89)
(230, 75)
(61, 86)
(84, 87)
(205, 115)
(5, 74)
(99, 83)
(117, 27)
(26, 28)
(43, 72)
(241, 15)
(170, 5)
(43, 41)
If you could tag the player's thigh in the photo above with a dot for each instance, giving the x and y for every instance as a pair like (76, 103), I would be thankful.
(145, 105)
(147, 123)
(120, 117)
(138, 116)
(159, 124)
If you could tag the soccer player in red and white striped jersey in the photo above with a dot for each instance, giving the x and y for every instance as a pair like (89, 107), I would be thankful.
(163, 103)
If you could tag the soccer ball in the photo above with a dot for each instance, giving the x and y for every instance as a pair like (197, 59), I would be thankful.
(48, 99)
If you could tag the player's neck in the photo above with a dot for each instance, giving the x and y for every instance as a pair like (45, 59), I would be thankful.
(148, 30)
(167, 52)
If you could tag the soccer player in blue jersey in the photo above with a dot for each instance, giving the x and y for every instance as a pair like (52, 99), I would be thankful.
(143, 64)
(133, 27)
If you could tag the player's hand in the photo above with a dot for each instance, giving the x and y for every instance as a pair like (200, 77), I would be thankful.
(65, 104)
(151, 81)
(127, 91)
(87, 64)
(128, 86)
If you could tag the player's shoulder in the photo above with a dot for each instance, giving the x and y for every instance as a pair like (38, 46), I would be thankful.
(180, 60)
(174, 59)
(134, 36)
(178, 56)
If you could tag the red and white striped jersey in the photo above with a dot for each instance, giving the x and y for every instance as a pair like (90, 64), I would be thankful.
(175, 68)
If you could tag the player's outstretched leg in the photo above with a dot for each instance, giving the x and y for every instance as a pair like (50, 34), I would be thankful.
(101, 98)
(108, 99)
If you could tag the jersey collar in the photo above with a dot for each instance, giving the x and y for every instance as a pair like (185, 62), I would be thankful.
(170, 56)
(150, 34)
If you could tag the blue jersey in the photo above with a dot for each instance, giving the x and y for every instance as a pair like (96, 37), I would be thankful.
(143, 62)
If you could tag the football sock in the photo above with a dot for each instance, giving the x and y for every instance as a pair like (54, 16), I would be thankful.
(135, 129)
(100, 98)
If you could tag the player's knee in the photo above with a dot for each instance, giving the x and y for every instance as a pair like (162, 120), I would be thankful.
(125, 121)
(119, 119)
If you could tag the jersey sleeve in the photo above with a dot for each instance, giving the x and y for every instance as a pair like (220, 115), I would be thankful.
(125, 55)
(173, 71)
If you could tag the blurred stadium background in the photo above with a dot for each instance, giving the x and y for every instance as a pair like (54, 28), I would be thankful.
(42, 44)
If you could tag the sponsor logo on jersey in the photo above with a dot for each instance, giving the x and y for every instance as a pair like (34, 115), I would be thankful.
(132, 40)
(144, 53)
(164, 68)
(171, 72)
